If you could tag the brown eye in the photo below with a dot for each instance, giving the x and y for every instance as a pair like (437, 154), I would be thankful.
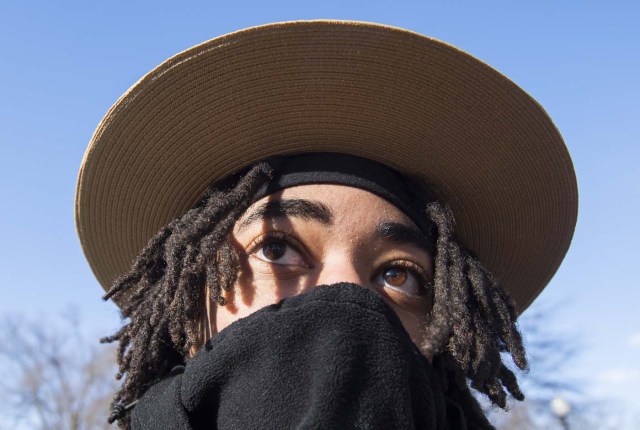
(274, 250)
(395, 277)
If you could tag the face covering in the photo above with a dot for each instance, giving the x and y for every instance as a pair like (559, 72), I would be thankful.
(336, 357)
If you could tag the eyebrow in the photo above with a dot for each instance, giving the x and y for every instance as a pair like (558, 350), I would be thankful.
(308, 210)
(404, 234)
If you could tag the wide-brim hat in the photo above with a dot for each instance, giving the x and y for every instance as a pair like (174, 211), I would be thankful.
(411, 102)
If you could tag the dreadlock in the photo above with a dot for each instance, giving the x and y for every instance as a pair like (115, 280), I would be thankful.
(161, 298)
(473, 320)
(161, 294)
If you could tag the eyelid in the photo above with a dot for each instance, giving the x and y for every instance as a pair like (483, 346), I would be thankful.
(259, 241)
(409, 265)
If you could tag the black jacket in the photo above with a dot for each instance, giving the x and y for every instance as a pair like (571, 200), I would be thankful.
(337, 357)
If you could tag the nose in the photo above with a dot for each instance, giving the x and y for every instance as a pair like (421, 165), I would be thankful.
(341, 269)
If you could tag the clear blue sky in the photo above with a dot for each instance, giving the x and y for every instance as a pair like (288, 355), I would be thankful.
(64, 63)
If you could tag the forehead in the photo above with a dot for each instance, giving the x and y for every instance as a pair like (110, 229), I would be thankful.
(348, 205)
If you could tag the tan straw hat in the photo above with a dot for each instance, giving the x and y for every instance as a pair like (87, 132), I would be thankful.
(414, 103)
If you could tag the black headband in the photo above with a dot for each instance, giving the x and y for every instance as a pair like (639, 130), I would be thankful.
(342, 169)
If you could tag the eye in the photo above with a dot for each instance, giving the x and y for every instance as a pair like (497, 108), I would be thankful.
(405, 277)
(276, 248)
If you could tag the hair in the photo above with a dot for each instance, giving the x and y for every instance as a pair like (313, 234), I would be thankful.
(162, 299)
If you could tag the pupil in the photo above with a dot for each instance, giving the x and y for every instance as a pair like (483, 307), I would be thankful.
(274, 251)
(395, 277)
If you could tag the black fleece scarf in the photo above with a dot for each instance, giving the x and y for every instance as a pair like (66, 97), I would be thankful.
(337, 357)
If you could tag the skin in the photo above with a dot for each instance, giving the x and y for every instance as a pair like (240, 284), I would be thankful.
(301, 237)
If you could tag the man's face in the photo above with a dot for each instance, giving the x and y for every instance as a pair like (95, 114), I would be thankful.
(310, 235)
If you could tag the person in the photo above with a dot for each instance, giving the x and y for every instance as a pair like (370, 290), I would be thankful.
(332, 224)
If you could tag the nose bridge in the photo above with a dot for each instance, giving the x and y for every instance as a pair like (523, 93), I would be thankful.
(341, 268)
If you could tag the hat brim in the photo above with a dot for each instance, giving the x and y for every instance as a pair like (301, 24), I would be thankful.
(411, 102)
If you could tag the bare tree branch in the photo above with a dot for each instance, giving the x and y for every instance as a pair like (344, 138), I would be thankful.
(52, 378)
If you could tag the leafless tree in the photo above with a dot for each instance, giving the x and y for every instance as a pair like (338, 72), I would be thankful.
(51, 377)
(549, 351)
